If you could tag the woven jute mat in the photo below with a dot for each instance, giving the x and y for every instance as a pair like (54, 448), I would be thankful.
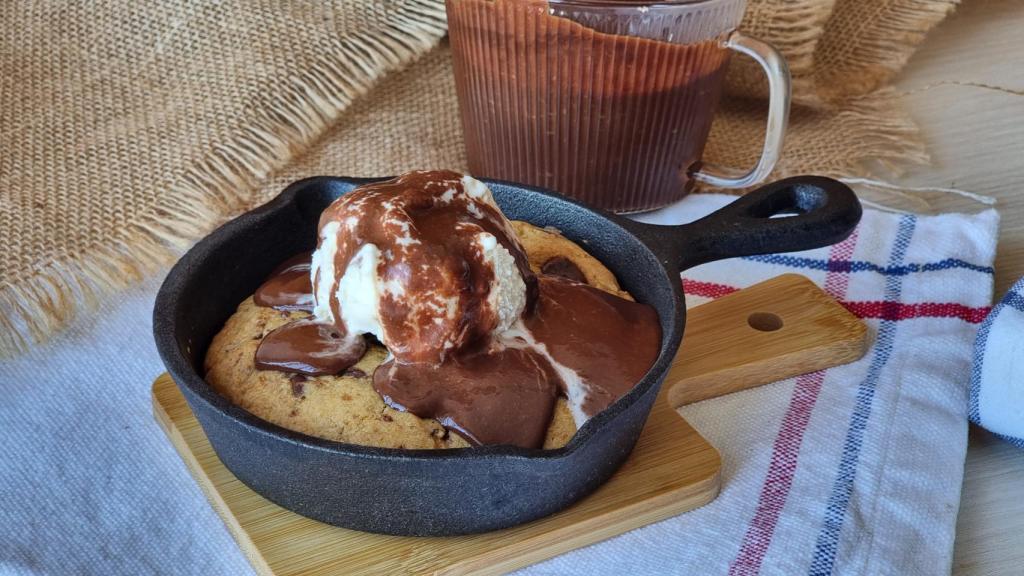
(129, 130)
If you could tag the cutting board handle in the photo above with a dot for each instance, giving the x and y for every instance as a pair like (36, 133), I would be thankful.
(780, 328)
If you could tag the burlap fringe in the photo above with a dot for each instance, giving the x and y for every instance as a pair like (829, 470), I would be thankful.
(795, 30)
(880, 137)
(221, 183)
(868, 136)
(883, 47)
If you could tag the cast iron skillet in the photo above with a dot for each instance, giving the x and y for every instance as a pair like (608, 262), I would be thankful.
(445, 492)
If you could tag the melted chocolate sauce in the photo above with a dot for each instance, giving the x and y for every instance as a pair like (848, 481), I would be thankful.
(561, 266)
(572, 339)
(309, 347)
(610, 342)
(289, 286)
(425, 226)
(503, 394)
(489, 396)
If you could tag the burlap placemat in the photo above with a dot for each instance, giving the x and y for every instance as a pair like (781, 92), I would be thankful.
(837, 50)
(127, 131)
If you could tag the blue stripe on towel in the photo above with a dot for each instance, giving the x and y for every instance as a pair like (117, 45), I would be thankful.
(864, 266)
(827, 543)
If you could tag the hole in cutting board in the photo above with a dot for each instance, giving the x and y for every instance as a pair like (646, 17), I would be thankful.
(764, 321)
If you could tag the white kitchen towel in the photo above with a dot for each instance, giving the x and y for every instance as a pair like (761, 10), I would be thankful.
(855, 470)
(997, 382)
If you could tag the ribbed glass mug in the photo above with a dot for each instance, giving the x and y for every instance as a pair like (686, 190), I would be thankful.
(608, 101)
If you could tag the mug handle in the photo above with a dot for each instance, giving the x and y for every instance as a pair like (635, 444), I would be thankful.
(774, 66)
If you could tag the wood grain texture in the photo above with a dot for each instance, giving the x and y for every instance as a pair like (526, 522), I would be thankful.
(976, 138)
(974, 133)
(724, 352)
(671, 470)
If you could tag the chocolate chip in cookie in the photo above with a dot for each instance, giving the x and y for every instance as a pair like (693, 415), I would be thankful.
(563, 267)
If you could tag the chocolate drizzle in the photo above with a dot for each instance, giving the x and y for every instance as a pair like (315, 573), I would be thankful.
(494, 395)
(490, 386)
(289, 286)
(608, 341)
(309, 347)
(304, 346)
(579, 341)
(424, 229)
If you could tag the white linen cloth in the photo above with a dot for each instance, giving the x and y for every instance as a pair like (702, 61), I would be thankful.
(997, 382)
(855, 470)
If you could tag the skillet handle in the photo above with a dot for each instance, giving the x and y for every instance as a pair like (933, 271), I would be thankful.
(826, 211)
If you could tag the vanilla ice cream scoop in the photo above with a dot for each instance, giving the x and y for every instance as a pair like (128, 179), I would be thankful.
(425, 262)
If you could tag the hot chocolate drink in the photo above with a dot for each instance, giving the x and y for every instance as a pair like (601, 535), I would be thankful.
(616, 120)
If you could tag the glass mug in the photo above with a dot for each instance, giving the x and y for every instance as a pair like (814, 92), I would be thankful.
(608, 101)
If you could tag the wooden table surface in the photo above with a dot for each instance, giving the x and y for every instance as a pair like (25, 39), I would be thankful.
(976, 138)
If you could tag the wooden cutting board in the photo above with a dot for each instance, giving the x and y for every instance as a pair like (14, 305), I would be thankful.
(771, 331)
(671, 470)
